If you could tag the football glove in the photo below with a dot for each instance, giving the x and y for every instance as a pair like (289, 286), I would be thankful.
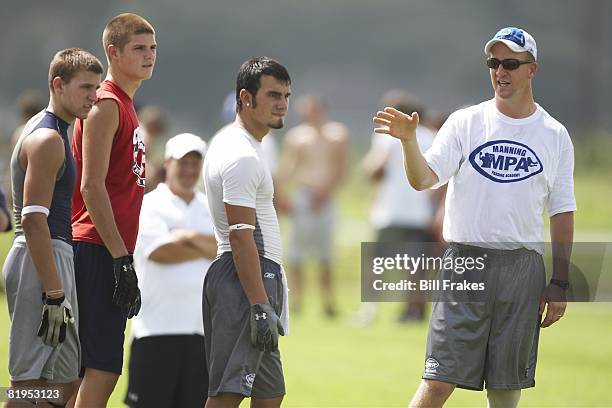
(265, 327)
(56, 315)
(126, 294)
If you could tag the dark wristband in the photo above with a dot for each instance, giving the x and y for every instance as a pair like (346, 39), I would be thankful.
(53, 301)
(563, 284)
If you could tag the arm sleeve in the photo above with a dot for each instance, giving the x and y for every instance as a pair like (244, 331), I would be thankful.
(240, 181)
(561, 198)
(445, 155)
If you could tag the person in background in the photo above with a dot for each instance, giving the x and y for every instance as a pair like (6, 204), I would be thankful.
(5, 217)
(174, 249)
(29, 102)
(154, 124)
(314, 158)
(400, 213)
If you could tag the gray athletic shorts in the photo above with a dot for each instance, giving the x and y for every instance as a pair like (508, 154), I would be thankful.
(311, 233)
(493, 339)
(234, 365)
(29, 357)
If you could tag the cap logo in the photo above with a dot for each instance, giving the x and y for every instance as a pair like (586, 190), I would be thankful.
(513, 34)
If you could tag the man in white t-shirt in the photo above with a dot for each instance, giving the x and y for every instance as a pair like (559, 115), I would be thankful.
(244, 301)
(506, 160)
(400, 214)
(174, 249)
(268, 143)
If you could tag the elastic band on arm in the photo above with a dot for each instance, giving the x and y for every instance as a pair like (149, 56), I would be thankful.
(34, 209)
(241, 227)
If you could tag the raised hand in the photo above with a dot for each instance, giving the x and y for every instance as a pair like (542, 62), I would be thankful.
(397, 124)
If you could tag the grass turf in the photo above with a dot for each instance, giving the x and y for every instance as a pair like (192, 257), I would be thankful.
(333, 364)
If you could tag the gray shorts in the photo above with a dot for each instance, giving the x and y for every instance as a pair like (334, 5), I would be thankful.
(234, 365)
(493, 339)
(29, 357)
(311, 233)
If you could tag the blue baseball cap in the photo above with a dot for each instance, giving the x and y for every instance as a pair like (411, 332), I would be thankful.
(517, 39)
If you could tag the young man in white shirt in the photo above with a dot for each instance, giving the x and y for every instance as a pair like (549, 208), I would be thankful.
(245, 290)
(505, 160)
(174, 249)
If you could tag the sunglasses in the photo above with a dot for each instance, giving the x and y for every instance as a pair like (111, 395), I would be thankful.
(509, 64)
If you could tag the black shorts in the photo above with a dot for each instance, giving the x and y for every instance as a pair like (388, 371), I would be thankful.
(167, 371)
(491, 336)
(234, 364)
(101, 324)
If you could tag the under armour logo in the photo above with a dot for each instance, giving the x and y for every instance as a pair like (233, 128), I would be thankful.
(260, 316)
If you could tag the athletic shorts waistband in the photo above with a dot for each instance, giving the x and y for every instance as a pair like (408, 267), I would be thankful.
(462, 248)
(58, 244)
(228, 254)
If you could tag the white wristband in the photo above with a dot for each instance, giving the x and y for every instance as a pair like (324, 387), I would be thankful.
(34, 209)
(241, 227)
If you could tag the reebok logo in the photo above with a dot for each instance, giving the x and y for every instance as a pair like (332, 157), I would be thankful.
(431, 364)
(505, 161)
(262, 316)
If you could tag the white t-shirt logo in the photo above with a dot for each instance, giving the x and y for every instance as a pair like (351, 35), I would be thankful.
(505, 161)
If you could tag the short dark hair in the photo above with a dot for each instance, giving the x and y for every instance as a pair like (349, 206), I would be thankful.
(249, 76)
(67, 63)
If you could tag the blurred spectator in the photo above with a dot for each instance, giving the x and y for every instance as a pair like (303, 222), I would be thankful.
(434, 122)
(173, 252)
(29, 102)
(5, 217)
(434, 119)
(313, 158)
(154, 123)
(400, 213)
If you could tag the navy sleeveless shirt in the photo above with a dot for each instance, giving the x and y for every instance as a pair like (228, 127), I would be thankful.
(60, 212)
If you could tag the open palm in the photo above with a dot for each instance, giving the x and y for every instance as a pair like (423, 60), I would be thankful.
(397, 124)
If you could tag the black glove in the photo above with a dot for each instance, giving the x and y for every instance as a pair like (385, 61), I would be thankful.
(126, 294)
(265, 327)
(56, 315)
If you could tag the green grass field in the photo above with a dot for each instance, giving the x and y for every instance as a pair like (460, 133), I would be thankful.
(332, 364)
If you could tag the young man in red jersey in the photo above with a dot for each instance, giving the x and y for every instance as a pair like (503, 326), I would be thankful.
(109, 154)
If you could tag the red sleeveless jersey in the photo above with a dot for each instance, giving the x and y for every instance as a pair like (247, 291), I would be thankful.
(125, 179)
